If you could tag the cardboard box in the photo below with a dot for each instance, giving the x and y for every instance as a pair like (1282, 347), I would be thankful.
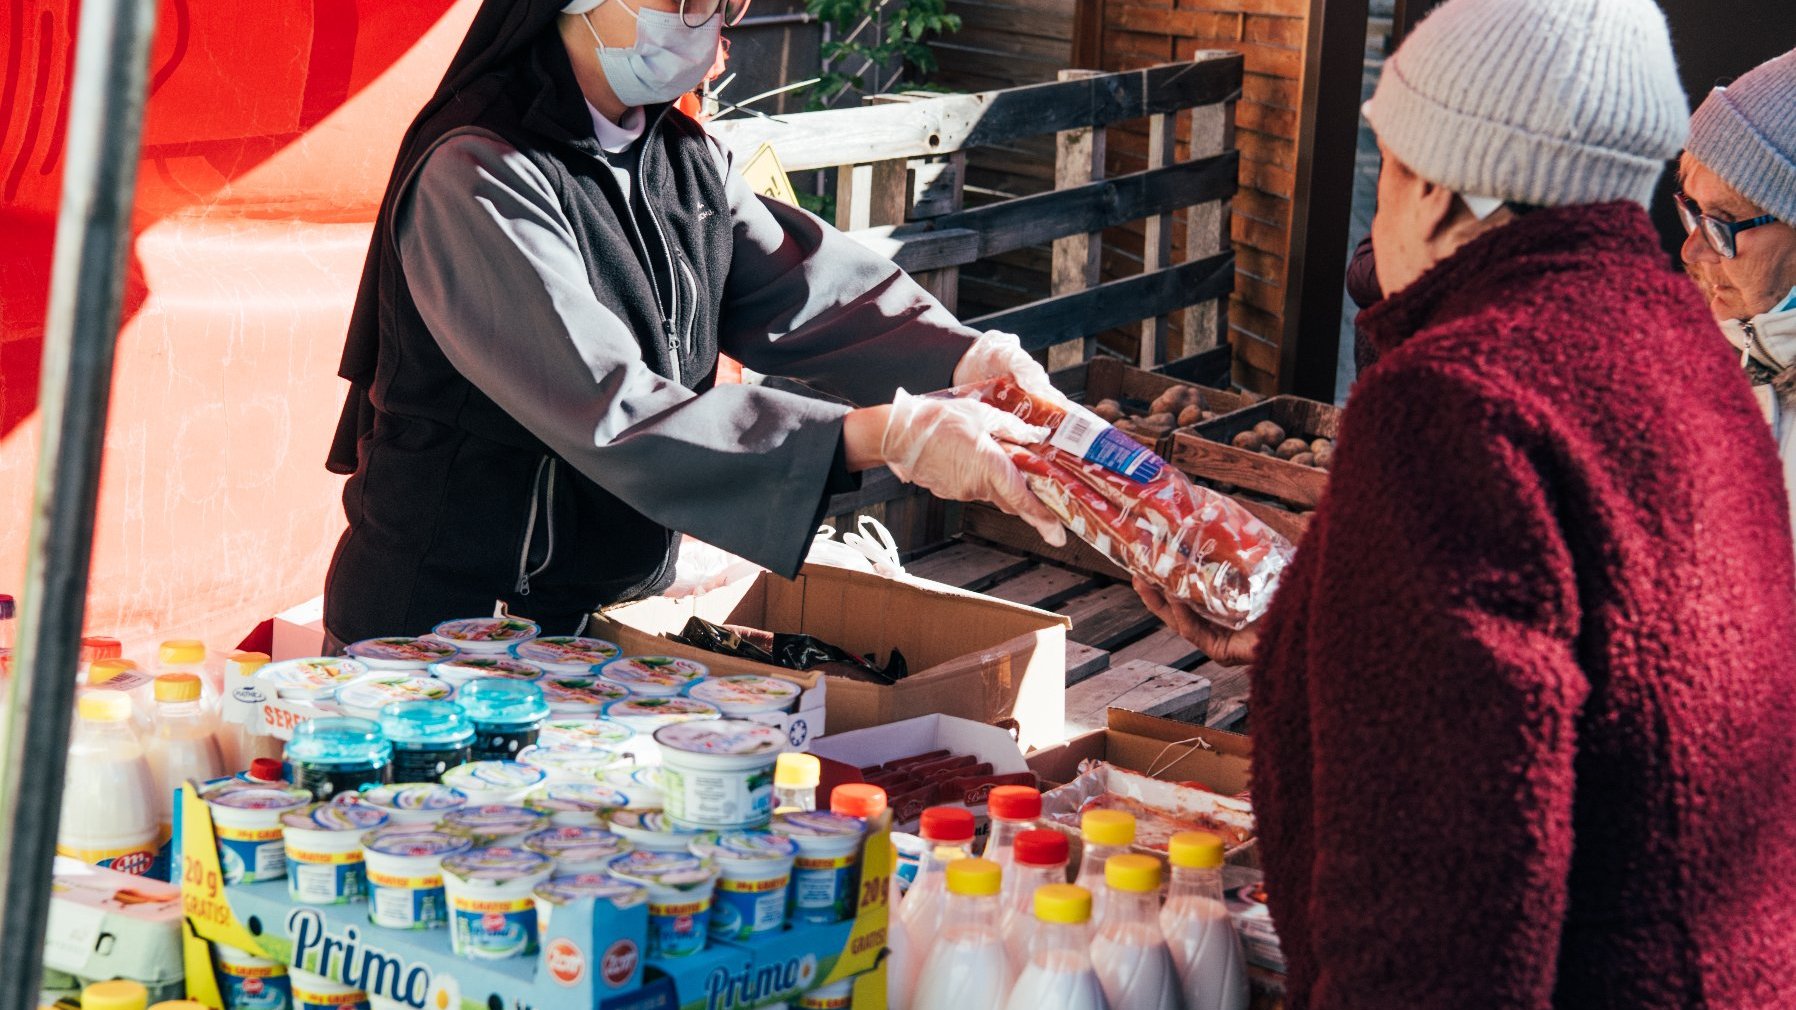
(969, 655)
(880, 744)
(1161, 748)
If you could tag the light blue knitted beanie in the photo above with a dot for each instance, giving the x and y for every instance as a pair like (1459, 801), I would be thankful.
(1746, 133)
(1542, 102)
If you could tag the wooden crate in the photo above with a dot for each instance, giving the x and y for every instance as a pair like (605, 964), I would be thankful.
(1135, 389)
(1203, 451)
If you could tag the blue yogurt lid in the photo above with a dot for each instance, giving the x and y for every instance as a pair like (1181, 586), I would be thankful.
(339, 741)
(496, 701)
(421, 724)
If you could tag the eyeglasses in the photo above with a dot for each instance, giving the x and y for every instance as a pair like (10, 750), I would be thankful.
(698, 13)
(1717, 233)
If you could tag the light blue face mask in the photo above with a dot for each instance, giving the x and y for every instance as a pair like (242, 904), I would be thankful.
(668, 59)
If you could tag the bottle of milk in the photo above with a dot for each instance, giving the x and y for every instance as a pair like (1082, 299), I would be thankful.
(1205, 950)
(1130, 951)
(185, 744)
(1038, 860)
(1058, 974)
(109, 797)
(948, 831)
(1105, 833)
(967, 966)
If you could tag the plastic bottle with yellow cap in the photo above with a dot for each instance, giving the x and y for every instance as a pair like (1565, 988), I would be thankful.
(185, 746)
(967, 966)
(120, 994)
(1058, 974)
(108, 797)
(1129, 950)
(189, 655)
(1105, 833)
(124, 677)
(795, 780)
(240, 714)
(1206, 952)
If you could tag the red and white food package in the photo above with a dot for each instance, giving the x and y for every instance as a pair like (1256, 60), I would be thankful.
(1192, 543)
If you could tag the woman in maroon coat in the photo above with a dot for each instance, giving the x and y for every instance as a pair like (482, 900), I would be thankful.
(1525, 706)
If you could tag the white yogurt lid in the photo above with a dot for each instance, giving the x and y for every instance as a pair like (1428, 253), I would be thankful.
(581, 692)
(584, 734)
(401, 650)
(651, 822)
(469, 667)
(576, 797)
(486, 632)
(746, 846)
(668, 869)
(567, 650)
(746, 690)
(415, 796)
(817, 824)
(722, 738)
(380, 689)
(487, 776)
(572, 887)
(335, 817)
(259, 798)
(400, 840)
(674, 708)
(312, 678)
(497, 864)
(654, 672)
(576, 844)
(495, 819)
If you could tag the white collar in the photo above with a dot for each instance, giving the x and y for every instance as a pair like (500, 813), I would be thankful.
(1773, 337)
(615, 138)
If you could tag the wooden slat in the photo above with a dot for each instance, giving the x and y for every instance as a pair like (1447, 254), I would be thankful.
(1087, 313)
(1003, 530)
(836, 137)
(1165, 647)
(1138, 686)
(919, 247)
(1107, 617)
(1229, 686)
(1044, 586)
(1157, 243)
(968, 566)
(1079, 157)
(1083, 661)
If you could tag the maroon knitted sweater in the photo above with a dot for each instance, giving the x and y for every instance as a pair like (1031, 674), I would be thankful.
(1525, 707)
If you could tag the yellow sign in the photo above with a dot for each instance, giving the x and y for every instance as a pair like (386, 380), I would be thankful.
(209, 916)
(765, 174)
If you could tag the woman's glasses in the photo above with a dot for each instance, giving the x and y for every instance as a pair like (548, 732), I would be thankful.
(698, 13)
(1717, 233)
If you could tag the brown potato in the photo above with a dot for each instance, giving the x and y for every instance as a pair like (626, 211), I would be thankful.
(1270, 432)
(1189, 415)
(1165, 417)
(1266, 450)
(1249, 440)
(1304, 459)
(1291, 447)
(1208, 415)
(1109, 410)
(1319, 444)
(1325, 456)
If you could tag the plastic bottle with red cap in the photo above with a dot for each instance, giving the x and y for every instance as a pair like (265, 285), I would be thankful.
(857, 799)
(1013, 810)
(1040, 857)
(949, 834)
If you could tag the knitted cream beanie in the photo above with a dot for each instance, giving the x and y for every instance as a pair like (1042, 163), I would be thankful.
(1542, 102)
(1746, 133)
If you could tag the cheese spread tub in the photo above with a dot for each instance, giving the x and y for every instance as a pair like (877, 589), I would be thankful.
(247, 821)
(315, 679)
(829, 854)
(315, 992)
(571, 766)
(405, 875)
(585, 734)
(718, 775)
(646, 715)
(753, 871)
(652, 831)
(365, 697)
(567, 888)
(249, 982)
(654, 676)
(680, 886)
(400, 653)
(496, 824)
(571, 697)
(747, 694)
(486, 636)
(324, 851)
(565, 655)
(492, 903)
(577, 849)
(488, 782)
(576, 804)
(464, 667)
(415, 803)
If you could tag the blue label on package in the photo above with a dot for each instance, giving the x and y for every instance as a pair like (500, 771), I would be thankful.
(255, 992)
(494, 929)
(1092, 439)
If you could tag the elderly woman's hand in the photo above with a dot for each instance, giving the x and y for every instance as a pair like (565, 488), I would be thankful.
(1225, 646)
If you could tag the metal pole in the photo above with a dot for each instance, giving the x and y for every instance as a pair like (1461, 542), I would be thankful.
(93, 232)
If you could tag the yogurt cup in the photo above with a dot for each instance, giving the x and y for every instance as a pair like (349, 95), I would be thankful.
(835, 996)
(585, 734)
(249, 982)
(404, 865)
(400, 653)
(492, 903)
(654, 676)
(646, 715)
(324, 851)
(247, 821)
(680, 887)
(571, 766)
(718, 775)
(314, 679)
(567, 888)
(465, 667)
(747, 694)
(640, 783)
(754, 870)
(566, 655)
(414, 804)
(428, 737)
(507, 714)
(488, 782)
(332, 755)
(576, 804)
(575, 697)
(577, 849)
(486, 636)
(315, 992)
(365, 698)
(829, 855)
(495, 824)
(652, 831)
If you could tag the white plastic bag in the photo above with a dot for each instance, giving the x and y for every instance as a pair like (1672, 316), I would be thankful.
(867, 548)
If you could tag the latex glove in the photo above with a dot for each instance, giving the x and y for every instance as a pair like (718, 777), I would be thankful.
(997, 354)
(950, 447)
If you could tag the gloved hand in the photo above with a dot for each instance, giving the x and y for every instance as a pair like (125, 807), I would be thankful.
(950, 447)
(997, 354)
